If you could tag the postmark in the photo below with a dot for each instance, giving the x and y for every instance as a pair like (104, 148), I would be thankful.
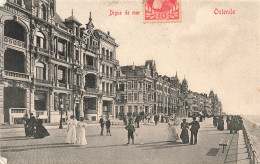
(162, 11)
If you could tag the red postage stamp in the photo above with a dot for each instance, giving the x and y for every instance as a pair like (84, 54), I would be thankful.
(162, 11)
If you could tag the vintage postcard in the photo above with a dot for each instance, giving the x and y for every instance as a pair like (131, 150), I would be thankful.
(129, 81)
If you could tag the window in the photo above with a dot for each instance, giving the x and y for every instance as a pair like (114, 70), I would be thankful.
(117, 73)
(135, 96)
(40, 40)
(103, 51)
(130, 97)
(122, 109)
(140, 85)
(40, 71)
(43, 12)
(129, 85)
(103, 86)
(136, 109)
(135, 85)
(111, 55)
(130, 109)
(77, 55)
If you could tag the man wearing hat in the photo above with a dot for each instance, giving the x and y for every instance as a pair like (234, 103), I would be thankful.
(195, 125)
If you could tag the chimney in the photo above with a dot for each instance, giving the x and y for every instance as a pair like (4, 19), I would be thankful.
(108, 33)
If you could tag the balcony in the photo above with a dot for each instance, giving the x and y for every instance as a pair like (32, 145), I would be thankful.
(14, 42)
(91, 90)
(16, 75)
(111, 60)
(91, 111)
(91, 48)
(90, 67)
(62, 85)
(43, 81)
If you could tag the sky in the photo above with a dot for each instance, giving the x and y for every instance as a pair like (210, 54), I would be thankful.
(213, 52)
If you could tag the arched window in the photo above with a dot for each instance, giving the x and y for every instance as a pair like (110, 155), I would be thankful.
(14, 30)
(43, 12)
(40, 40)
(40, 71)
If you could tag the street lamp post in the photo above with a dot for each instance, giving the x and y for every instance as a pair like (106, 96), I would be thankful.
(61, 107)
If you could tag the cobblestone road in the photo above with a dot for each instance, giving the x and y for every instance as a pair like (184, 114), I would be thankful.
(151, 147)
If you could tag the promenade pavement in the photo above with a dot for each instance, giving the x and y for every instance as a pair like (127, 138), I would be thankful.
(151, 146)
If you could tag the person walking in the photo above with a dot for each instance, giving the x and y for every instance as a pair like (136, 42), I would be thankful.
(184, 132)
(195, 125)
(162, 118)
(137, 120)
(131, 129)
(156, 119)
(26, 123)
(108, 124)
(172, 129)
(220, 123)
(71, 136)
(81, 139)
(101, 121)
(41, 131)
(31, 125)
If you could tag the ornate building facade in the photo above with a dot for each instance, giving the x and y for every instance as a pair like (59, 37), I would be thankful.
(52, 67)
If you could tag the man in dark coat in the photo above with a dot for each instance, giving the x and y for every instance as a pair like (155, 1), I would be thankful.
(137, 120)
(131, 129)
(156, 119)
(101, 121)
(108, 124)
(195, 125)
(26, 121)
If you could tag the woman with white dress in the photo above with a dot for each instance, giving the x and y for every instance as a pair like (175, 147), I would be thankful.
(81, 140)
(173, 135)
(71, 136)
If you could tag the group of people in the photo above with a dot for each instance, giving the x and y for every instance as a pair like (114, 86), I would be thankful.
(107, 123)
(33, 127)
(218, 121)
(184, 136)
(234, 123)
(76, 136)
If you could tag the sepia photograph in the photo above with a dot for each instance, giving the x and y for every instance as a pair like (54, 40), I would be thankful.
(129, 81)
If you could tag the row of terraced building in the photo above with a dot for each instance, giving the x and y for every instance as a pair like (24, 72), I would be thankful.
(53, 67)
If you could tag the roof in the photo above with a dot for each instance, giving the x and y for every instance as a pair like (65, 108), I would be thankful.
(128, 70)
(72, 19)
(104, 36)
(59, 20)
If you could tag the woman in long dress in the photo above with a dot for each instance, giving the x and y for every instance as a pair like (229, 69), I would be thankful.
(71, 136)
(81, 140)
(173, 135)
(184, 133)
(41, 131)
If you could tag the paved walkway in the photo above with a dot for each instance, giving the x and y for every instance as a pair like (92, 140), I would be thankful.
(151, 147)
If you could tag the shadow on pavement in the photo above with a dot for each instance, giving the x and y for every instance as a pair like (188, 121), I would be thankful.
(161, 145)
(212, 152)
(15, 138)
(33, 147)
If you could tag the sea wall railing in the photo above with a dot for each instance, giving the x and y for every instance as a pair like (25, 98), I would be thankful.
(251, 150)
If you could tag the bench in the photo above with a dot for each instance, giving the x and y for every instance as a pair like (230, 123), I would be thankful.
(224, 143)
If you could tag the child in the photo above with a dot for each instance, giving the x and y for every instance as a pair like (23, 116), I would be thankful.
(108, 123)
(131, 130)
